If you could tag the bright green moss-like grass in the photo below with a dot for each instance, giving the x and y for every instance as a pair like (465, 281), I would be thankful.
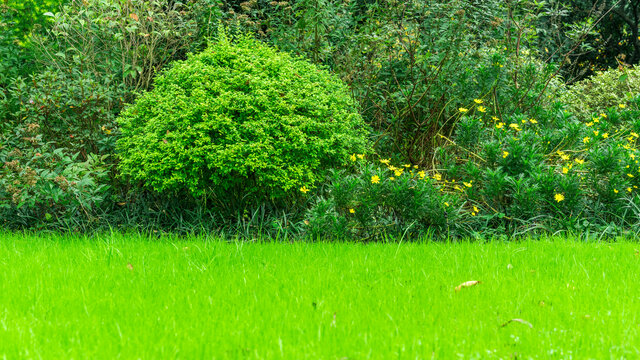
(134, 297)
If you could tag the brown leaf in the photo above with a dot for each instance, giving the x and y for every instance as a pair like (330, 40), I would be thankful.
(519, 321)
(134, 16)
(467, 284)
(129, 266)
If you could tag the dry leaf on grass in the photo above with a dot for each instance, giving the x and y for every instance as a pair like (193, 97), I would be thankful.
(129, 266)
(467, 284)
(519, 321)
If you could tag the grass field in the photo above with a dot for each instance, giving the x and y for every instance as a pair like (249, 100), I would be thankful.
(131, 297)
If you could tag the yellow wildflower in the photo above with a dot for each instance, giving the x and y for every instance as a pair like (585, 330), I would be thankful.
(477, 101)
(605, 135)
(385, 161)
(505, 154)
(304, 189)
(495, 118)
(475, 209)
(463, 110)
(437, 177)
(596, 132)
(499, 125)
(558, 197)
(398, 172)
(375, 179)
(533, 121)
(622, 106)
(360, 156)
(482, 109)
(352, 211)
(580, 161)
(516, 127)
(422, 174)
(353, 157)
(565, 157)
(615, 191)
(565, 170)
(589, 124)
(586, 139)
(467, 184)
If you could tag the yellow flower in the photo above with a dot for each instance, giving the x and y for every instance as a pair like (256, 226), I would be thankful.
(558, 197)
(495, 118)
(437, 177)
(586, 139)
(482, 109)
(589, 124)
(622, 106)
(422, 174)
(457, 187)
(467, 184)
(615, 191)
(475, 209)
(499, 125)
(360, 156)
(635, 135)
(580, 161)
(565, 157)
(398, 172)
(524, 121)
(603, 115)
(477, 101)
(385, 161)
(375, 179)
(629, 189)
(630, 175)
(596, 132)
(505, 154)
(407, 165)
(565, 170)
(605, 135)
(392, 178)
(352, 211)
(304, 189)
(446, 203)
(463, 110)
(533, 121)
(516, 127)
(352, 157)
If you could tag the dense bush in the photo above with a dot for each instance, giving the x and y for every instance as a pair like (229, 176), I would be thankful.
(553, 171)
(602, 91)
(240, 122)
(370, 201)
(41, 184)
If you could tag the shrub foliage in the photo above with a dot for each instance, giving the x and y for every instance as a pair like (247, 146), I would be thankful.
(239, 120)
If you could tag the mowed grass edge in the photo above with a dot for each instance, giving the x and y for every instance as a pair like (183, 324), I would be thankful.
(132, 296)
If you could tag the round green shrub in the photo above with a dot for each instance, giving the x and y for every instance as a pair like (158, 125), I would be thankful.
(240, 119)
(602, 91)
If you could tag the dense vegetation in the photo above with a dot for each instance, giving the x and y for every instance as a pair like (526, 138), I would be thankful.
(321, 118)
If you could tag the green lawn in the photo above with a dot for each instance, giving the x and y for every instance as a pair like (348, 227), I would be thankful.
(131, 297)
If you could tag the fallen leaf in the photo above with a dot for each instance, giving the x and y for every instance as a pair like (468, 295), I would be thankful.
(509, 266)
(134, 16)
(519, 321)
(129, 266)
(467, 284)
